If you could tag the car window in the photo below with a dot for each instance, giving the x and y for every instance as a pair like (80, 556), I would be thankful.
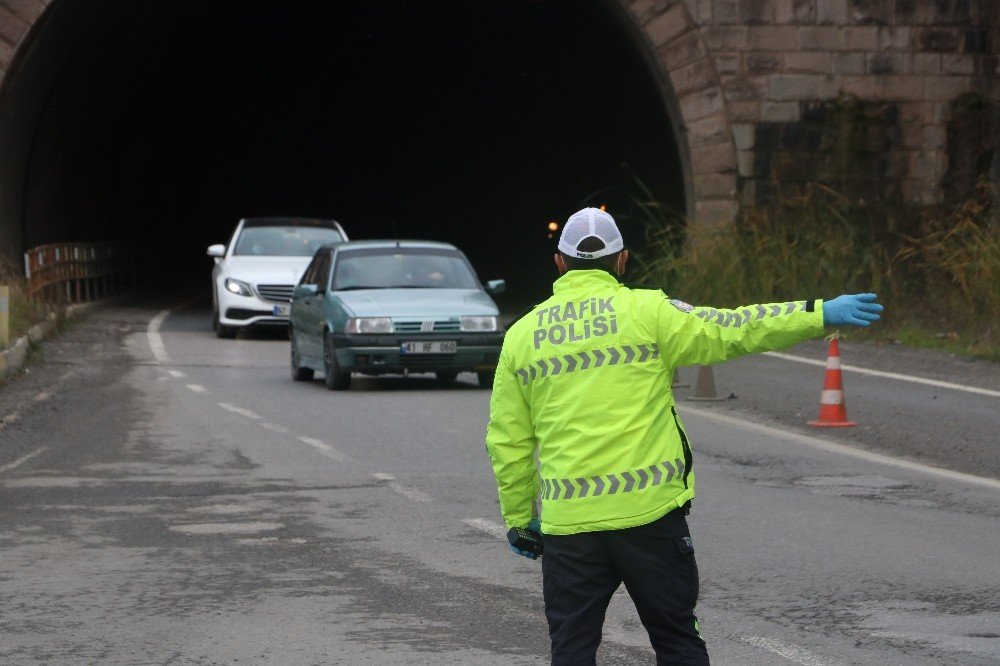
(278, 241)
(323, 271)
(403, 268)
(309, 277)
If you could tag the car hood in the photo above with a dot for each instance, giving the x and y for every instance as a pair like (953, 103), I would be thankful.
(273, 270)
(417, 302)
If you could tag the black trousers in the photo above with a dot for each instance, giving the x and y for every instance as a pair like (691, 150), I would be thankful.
(656, 562)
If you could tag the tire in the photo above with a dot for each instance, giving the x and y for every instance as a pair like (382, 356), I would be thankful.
(221, 330)
(446, 376)
(485, 378)
(335, 378)
(299, 373)
(226, 332)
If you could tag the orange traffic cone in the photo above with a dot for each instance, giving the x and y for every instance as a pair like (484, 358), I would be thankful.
(704, 390)
(832, 411)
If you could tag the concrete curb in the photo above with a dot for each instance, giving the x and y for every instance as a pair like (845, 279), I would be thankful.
(13, 358)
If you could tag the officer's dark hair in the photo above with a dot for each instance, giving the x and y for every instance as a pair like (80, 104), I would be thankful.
(607, 263)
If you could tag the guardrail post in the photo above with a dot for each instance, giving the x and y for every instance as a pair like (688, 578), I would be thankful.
(4, 316)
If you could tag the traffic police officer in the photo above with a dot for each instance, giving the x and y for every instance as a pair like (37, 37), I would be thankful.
(584, 384)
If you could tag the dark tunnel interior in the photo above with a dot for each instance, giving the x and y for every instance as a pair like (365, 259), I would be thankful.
(470, 122)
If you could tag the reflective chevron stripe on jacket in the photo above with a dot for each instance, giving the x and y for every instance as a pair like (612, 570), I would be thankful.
(736, 318)
(638, 479)
(585, 360)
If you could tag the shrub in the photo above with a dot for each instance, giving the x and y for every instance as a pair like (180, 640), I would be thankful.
(24, 313)
(938, 271)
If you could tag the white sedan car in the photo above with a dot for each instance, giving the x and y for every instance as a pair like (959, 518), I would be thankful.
(255, 273)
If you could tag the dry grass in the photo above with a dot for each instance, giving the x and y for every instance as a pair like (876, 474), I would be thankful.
(24, 313)
(937, 273)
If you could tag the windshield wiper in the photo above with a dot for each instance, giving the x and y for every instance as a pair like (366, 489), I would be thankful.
(358, 286)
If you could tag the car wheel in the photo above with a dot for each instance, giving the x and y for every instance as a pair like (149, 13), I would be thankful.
(221, 330)
(335, 378)
(485, 378)
(299, 373)
(446, 375)
(226, 332)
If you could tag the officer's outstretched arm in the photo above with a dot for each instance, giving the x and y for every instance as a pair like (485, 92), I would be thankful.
(705, 335)
(510, 442)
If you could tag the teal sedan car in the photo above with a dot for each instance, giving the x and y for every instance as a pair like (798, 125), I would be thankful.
(393, 307)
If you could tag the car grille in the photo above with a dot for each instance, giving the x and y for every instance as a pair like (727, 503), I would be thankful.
(444, 326)
(279, 293)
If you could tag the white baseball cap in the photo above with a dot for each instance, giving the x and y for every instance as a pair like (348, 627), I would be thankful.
(586, 223)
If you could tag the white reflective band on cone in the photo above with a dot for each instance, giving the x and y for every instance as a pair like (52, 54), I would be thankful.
(833, 363)
(829, 397)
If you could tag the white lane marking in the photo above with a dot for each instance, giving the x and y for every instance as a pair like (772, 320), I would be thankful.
(491, 527)
(891, 375)
(23, 459)
(9, 418)
(324, 448)
(409, 493)
(197, 388)
(153, 331)
(154, 339)
(263, 541)
(235, 409)
(842, 449)
(273, 427)
(225, 528)
(176, 374)
(787, 650)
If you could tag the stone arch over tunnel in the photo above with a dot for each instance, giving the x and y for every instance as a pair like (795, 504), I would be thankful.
(475, 123)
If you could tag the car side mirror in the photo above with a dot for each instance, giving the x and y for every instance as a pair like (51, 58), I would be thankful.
(496, 286)
(218, 250)
(305, 291)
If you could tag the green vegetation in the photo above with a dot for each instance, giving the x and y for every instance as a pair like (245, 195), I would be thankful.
(24, 313)
(938, 272)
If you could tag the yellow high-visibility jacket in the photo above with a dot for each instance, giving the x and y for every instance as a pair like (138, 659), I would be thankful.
(584, 382)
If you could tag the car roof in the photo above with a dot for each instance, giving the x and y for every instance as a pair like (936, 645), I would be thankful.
(290, 222)
(381, 244)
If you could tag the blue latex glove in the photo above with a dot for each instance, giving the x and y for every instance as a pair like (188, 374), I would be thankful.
(853, 309)
(535, 526)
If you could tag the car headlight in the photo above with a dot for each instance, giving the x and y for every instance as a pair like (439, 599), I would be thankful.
(369, 325)
(478, 324)
(238, 287)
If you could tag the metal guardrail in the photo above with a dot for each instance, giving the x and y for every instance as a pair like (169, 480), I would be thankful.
(79, 272)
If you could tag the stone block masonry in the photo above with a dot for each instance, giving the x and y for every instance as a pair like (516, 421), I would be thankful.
(891, 99)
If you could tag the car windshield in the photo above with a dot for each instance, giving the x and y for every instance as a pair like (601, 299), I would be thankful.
(403, 268)
(292, 241)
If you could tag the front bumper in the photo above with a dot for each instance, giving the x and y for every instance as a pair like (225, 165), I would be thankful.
(236, 310)
(382, 354)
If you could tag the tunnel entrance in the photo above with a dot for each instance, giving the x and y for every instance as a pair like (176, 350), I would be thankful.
(470, 122)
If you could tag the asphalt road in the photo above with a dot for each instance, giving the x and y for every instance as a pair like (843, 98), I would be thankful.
(167, 497)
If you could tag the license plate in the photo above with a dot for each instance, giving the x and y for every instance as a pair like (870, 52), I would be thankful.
(280, 310)
(431, 347)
